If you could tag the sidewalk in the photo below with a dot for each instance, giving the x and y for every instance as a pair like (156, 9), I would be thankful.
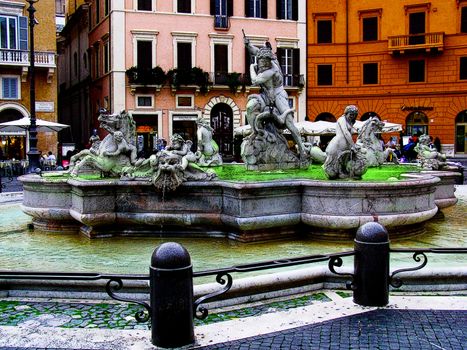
(332, 322)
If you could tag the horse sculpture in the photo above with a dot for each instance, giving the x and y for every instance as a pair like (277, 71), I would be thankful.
(368, 138)
(116, 151)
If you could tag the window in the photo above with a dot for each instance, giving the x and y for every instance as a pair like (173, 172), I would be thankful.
(324, 31)
(417, 28)
(370, 28)
(184, 101)
(463, 68)
(106, 7)
(324, 74)
(464, 19)
(184, 6)
(75, 64)
(416, 71)
(98, 11)
(144, 54)
(106, 57)
(221, 63)
(14, 32)
(184, 56)
(370, 73)
(85, 61)
(289, 60)
(96, 62)
(144, 5)
(256, 8)
(144, 101)
(221, 10)
(10, 88)
(287, 9)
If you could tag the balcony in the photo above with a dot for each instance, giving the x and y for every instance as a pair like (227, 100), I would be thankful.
(221, 22)
(428, 42)
(21, 58)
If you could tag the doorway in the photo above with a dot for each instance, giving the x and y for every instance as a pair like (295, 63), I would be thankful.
(417, 28)
(222, 123)
(461, 133)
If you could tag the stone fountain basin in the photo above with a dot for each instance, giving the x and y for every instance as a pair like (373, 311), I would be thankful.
(241, 211)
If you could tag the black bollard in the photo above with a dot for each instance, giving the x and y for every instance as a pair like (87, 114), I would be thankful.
(171, 283)
(371, 265)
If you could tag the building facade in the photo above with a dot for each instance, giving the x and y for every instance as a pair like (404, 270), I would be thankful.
(74, 77)
(14, 78)
(171, 62)
(403, 60)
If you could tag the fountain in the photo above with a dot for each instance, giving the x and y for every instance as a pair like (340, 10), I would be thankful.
(177, 192)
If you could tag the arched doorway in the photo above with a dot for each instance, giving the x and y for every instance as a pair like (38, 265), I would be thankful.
(222, 123)
(368, 115)
(461, 132)
(12, 144)
(416, 123)
(326, 116)
(325, 139)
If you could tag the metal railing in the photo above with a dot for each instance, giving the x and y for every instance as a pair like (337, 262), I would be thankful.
(21, 58)
(416, 41)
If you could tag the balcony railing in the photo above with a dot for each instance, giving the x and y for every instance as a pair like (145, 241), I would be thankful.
(425, 41)
(21, 58)
(221, 22)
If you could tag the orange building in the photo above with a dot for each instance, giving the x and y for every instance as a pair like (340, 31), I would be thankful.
(402, 60)
(14, 78)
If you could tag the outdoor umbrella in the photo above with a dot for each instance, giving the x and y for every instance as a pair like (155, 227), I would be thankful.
(23, 124)
(318, 128)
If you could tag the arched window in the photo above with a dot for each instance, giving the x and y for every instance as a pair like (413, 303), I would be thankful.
(368, 115)
(416, 123)
(326, 116)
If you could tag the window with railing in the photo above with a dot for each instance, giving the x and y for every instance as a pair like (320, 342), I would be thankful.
(221, 10)
(289, 60)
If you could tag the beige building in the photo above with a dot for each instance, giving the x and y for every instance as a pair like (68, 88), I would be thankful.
(14, 78)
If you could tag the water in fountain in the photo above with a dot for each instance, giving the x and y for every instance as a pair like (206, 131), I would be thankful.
(21, 249)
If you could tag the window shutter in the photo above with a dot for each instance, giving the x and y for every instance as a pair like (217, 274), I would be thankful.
(280, 9)
(280, 54)
(264, 8)
(295, 10)
(213, 7)
(296, 66)
(5, 87)
(10, 87)
(229, 8)
(23, 33)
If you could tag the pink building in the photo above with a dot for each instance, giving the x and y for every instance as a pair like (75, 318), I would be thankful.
(128, 39)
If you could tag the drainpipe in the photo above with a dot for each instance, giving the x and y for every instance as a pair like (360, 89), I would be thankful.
(347, 39)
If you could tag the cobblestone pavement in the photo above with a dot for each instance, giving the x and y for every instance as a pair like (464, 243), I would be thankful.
(121, 315)
(379, 329)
